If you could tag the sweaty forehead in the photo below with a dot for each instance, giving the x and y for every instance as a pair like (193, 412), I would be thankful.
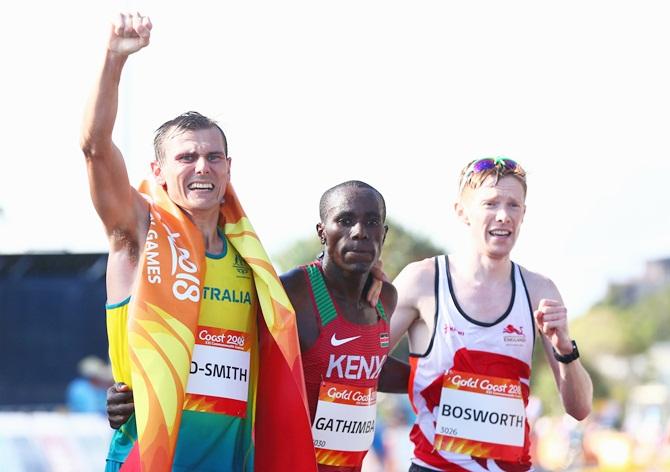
(354, 200)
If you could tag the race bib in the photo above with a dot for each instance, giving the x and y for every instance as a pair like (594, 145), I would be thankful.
(219, 375)
(481, 416)
(344, 425)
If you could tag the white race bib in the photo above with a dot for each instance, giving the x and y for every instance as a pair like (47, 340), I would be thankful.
(344, 421)
(481, 416)
(220, 368)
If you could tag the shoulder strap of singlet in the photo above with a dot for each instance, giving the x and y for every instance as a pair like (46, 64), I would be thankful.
(324, 304)
(380, 309)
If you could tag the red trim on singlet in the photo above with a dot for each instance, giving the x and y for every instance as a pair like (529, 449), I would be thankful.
(477, 362)
(467, 354)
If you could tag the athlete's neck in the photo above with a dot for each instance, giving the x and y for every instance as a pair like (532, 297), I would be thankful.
(206, 222)
(347, 285)
(480, 268)
(481, 285)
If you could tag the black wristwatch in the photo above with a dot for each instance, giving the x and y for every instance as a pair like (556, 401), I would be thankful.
(566, 359)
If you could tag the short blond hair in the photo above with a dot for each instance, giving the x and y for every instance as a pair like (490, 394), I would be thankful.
(472, 177)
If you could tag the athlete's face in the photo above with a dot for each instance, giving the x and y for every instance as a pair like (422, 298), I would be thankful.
(195, 170)
(353, 229)
(494, 213)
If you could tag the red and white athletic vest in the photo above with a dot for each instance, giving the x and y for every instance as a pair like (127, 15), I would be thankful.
(341, 373)
(471, 386)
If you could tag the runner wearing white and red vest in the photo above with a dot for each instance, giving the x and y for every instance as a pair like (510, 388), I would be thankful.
(471, 325)
(463, 346)
(341, 373)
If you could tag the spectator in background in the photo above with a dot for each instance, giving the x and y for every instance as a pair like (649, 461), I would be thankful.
(88, 392)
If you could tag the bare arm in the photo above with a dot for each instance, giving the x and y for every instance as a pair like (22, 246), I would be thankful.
(414, 311)
(120, 207)
(414, 293)
(574, 383)
(298, 292)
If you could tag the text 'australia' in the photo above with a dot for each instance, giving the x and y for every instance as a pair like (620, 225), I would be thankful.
(226, 295)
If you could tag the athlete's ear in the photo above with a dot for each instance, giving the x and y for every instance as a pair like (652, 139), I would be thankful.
(320, 231)
(459, 208)
(158, 173)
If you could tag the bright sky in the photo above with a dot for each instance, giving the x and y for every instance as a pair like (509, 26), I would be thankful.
(398, 94)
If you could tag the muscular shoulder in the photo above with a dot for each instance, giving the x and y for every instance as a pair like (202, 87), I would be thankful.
(539, 287)
(295, 285)
(417, 279)
(299, 293)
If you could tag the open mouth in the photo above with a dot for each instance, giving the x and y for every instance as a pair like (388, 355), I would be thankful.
(501, 233)
(200, 186)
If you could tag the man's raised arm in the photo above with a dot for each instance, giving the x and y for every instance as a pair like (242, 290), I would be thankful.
(119, 205)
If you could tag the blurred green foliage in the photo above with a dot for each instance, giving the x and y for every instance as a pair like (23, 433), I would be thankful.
(624, 330)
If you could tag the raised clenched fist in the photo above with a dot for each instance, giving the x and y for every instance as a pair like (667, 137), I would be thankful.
(130, 33)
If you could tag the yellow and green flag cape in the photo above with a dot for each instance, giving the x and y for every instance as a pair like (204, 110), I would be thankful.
(163, 317)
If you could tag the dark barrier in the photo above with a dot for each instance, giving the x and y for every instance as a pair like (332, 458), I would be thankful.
(51, 316)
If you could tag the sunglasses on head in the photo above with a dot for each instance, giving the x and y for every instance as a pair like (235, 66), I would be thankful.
(488, 163)
(480, 165)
